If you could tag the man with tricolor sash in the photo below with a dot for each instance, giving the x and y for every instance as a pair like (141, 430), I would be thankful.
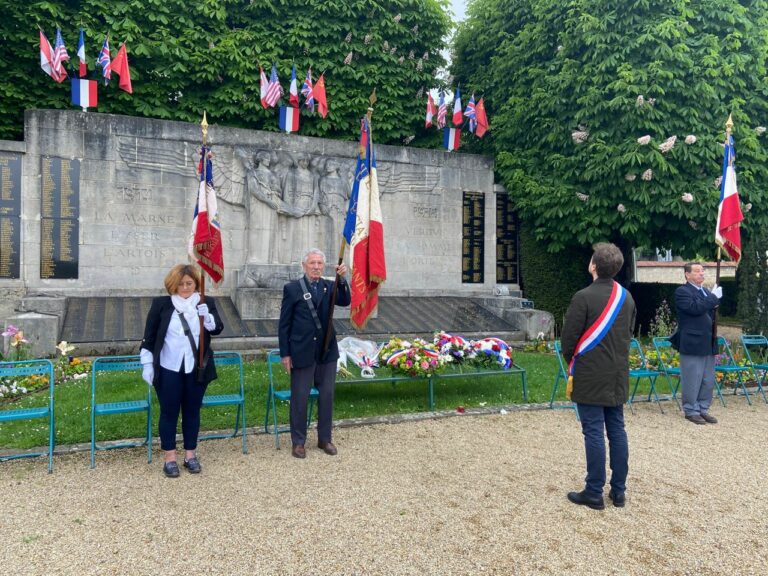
(595, 342)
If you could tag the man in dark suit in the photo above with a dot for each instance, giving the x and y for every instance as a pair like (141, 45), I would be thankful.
(695, 308)
(596, 334)
(303, 322)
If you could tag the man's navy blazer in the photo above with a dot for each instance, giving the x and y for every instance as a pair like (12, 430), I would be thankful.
(694, 320)
(298, 335)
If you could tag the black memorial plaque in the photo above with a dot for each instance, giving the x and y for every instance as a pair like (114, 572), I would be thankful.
(473, 238)
(507, 226)
(10, 215)
(60, 210)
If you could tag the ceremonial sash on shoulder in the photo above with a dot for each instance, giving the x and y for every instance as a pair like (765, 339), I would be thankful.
(595, 333)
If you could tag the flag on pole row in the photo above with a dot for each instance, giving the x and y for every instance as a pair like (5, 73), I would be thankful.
(46, 56)
(84, 93)
(457, 115)
(293, 90)
(263, 87)
(364, 232)
(441, 111)
(431, 111)
(289, 118)
(274, 89)
(320, 98)
(729, 216)
(120, 67)
(205, 240)
(451, 138)
(59, 57)
(81, 54)
(105, 61)
(308, 92)
(471, 114)
(482, 119)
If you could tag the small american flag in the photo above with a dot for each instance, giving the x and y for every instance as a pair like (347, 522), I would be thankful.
(59, 57)
(441, 110)
(308, 92)
(274, 89)
(105, 61)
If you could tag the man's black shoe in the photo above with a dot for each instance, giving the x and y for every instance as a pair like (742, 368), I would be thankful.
(695, 418)
(594, 502)
(618, 499)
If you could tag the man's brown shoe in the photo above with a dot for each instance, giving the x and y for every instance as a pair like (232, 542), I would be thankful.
(709, 419)
(328, 448)
(298, 451)
(696, 419)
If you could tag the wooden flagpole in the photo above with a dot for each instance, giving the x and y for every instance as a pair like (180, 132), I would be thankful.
(331, 308)
(204, 167)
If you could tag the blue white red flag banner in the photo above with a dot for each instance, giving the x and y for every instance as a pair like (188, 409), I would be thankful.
(105, 61)
(289, 119)
(293, 90)
(274, 89)
(729, 216)
(81, 54)
(431, 111)
(364, 232)
(458, 117)
(471, 114)
(441, 111)
(595, 333)
(46, 57)
(263, 86)
(205, 246)
(59, 57)
(308, 92)
(84, 93)
(451, 138)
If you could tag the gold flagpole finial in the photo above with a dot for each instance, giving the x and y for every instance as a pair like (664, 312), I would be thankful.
(729, 124)
(372, 100)
(204, 127)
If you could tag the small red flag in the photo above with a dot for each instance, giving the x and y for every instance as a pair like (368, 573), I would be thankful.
(482, 119)
(120, 67)
(320, 99)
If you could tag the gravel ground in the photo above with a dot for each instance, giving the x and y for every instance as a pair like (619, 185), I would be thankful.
(464, 495)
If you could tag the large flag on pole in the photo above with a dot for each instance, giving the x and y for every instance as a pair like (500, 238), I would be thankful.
(46, 57)
(729, 216)
(205, 240)
(364, 232)
(320, 98)
(59, 57)
(83, 69)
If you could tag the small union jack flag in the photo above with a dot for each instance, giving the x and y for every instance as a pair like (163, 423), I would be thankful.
(308, 92)
(471, 114)
(105, 61)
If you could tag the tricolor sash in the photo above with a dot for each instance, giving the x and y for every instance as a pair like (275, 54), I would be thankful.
(595, 333)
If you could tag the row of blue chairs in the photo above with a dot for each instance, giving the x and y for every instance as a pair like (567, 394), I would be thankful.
(136, 398)
(756, 362)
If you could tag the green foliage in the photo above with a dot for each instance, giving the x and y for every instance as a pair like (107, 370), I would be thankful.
(189, 57)
(551, 279)
(753, 283)
(662, 323)
(617, 71)
(648, 297)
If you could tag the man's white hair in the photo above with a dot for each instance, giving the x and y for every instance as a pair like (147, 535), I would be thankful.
(310, 252)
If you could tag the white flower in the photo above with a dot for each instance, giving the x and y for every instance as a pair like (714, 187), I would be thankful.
(643, 140)
(621, 208)
(640, 100)
(408, 139)
(748, 206)
(651, 101)
(647, 175)
(718, 181)
(415, 29)
(668, 144)
(692, 224)
(64, 348)
(690, 139)
(397, 18)
(757, 274)
(560, 48)
(386, 45)
(579, 136)
(348, 39)
(393, 50)
(401, 59)
(425, 56)
(420, 65)
(687, 197)
(582, 197)
(348, 59)
(760, 130)
(630, 177)
(367, 39)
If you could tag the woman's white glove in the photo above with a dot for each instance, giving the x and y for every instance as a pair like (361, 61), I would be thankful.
(209, 323)
(148, 373)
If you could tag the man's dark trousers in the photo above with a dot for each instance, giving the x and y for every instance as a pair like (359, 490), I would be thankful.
(323, 377)
(595, 422)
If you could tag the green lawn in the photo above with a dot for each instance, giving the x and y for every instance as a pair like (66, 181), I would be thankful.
(72, 400)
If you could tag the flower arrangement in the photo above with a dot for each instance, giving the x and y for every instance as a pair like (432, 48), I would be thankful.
(67, 367)
(492, 352)
(454, 348)
(413, 358)
(18, 342)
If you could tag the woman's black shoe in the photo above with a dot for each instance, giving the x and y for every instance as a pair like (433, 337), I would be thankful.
(171, 469)
(193, 465)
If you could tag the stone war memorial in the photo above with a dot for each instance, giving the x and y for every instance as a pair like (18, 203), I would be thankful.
(96, 208)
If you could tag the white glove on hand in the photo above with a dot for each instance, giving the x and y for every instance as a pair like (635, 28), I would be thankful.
(202, 310)
(148, 373)
(717, 291)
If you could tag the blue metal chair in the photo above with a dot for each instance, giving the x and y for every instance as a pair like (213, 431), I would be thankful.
(760, 344)
(274, 395)
(232, 399)
(142, 403)
(562, 374)
(643, 372)
(25, 368)
(729, 369)
(663, 346)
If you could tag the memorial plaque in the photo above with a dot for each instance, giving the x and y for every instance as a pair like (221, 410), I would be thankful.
(60, 210)
(507, 226)
(473, 238)
(10, 215)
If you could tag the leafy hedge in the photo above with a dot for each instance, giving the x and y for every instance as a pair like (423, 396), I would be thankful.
(753, 283)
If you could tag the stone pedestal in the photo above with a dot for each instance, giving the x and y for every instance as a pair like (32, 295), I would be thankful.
(41, 330)
(261, 303)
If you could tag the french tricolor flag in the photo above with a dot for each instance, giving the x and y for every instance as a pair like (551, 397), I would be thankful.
(84, 93)
(289, 118)
(451, 138)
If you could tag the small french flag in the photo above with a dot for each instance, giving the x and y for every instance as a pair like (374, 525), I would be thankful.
(451, 138)
(289, 118)
(84, 93)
